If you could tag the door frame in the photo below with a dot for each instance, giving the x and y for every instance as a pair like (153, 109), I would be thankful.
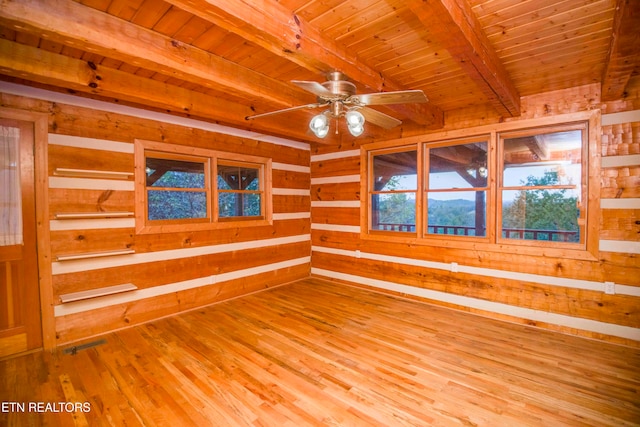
(41, 183)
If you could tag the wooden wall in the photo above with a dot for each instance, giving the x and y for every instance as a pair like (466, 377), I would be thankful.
(171, 272)
(555, 293)
(316, 228)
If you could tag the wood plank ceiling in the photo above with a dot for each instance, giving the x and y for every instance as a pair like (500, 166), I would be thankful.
(224, 60)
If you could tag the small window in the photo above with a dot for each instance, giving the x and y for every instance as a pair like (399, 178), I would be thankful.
(181, 188)
(240, 190)
(394, 186)
(456, 195)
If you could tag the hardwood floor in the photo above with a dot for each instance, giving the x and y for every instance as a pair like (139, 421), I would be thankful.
(317, 353)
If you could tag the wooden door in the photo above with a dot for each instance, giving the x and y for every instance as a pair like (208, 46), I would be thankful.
(20, 321)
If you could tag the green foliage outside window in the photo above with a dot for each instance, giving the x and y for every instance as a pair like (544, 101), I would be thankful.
(172, 189)
(543, 209)
(457, 212)
(239, 191)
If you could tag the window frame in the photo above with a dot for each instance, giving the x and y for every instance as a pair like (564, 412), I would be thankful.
(261, 191)
(205, 161)
(590, 170)
(490, 193)
(211, 159)
(584, 184)
(417, 191)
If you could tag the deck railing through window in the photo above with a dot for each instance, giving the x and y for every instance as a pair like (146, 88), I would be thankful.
(508, 233)
(387, 226)
(547, 235)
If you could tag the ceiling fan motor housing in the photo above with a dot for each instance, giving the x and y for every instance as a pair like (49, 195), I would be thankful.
(338, 86)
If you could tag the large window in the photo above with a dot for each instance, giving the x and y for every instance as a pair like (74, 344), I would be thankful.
(508, 186)
(185, 188)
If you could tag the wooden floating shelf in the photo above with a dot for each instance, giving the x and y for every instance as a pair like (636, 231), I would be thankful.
(94, 255)
(85, 173)
(93, 215)
(99, 292)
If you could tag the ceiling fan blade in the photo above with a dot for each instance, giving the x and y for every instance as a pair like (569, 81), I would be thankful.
(286, 110)
(399, 97)
(314, 87)
(378, 118)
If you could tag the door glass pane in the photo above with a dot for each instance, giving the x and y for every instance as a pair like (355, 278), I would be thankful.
(11, 195)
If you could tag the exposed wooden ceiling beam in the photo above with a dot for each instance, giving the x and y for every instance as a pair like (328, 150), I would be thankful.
(624, 52)
(273, 27)
(459, 31)
(539, 146)
(30, 63)
(79, 26)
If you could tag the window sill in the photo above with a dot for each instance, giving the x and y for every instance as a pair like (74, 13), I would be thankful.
(525, 247)
(188, 227)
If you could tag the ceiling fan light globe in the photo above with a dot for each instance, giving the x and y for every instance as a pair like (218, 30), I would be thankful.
(322, 132)
(319, 125)
(354, 118)
(355, 122)
(318, 122)
(356, 130)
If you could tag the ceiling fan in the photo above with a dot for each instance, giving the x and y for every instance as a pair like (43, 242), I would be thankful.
(339, 96)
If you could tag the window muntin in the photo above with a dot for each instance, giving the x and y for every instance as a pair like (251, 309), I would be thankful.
(456, 189)
(542, 185)
(240, 190)
(394, 187)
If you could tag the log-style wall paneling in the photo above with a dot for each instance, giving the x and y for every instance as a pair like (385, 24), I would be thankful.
(103, 275)
(560, 294)
(171, 288)
(620, 184)
(315, 230)
(172, 254)
(74, 326)
(227, 261)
